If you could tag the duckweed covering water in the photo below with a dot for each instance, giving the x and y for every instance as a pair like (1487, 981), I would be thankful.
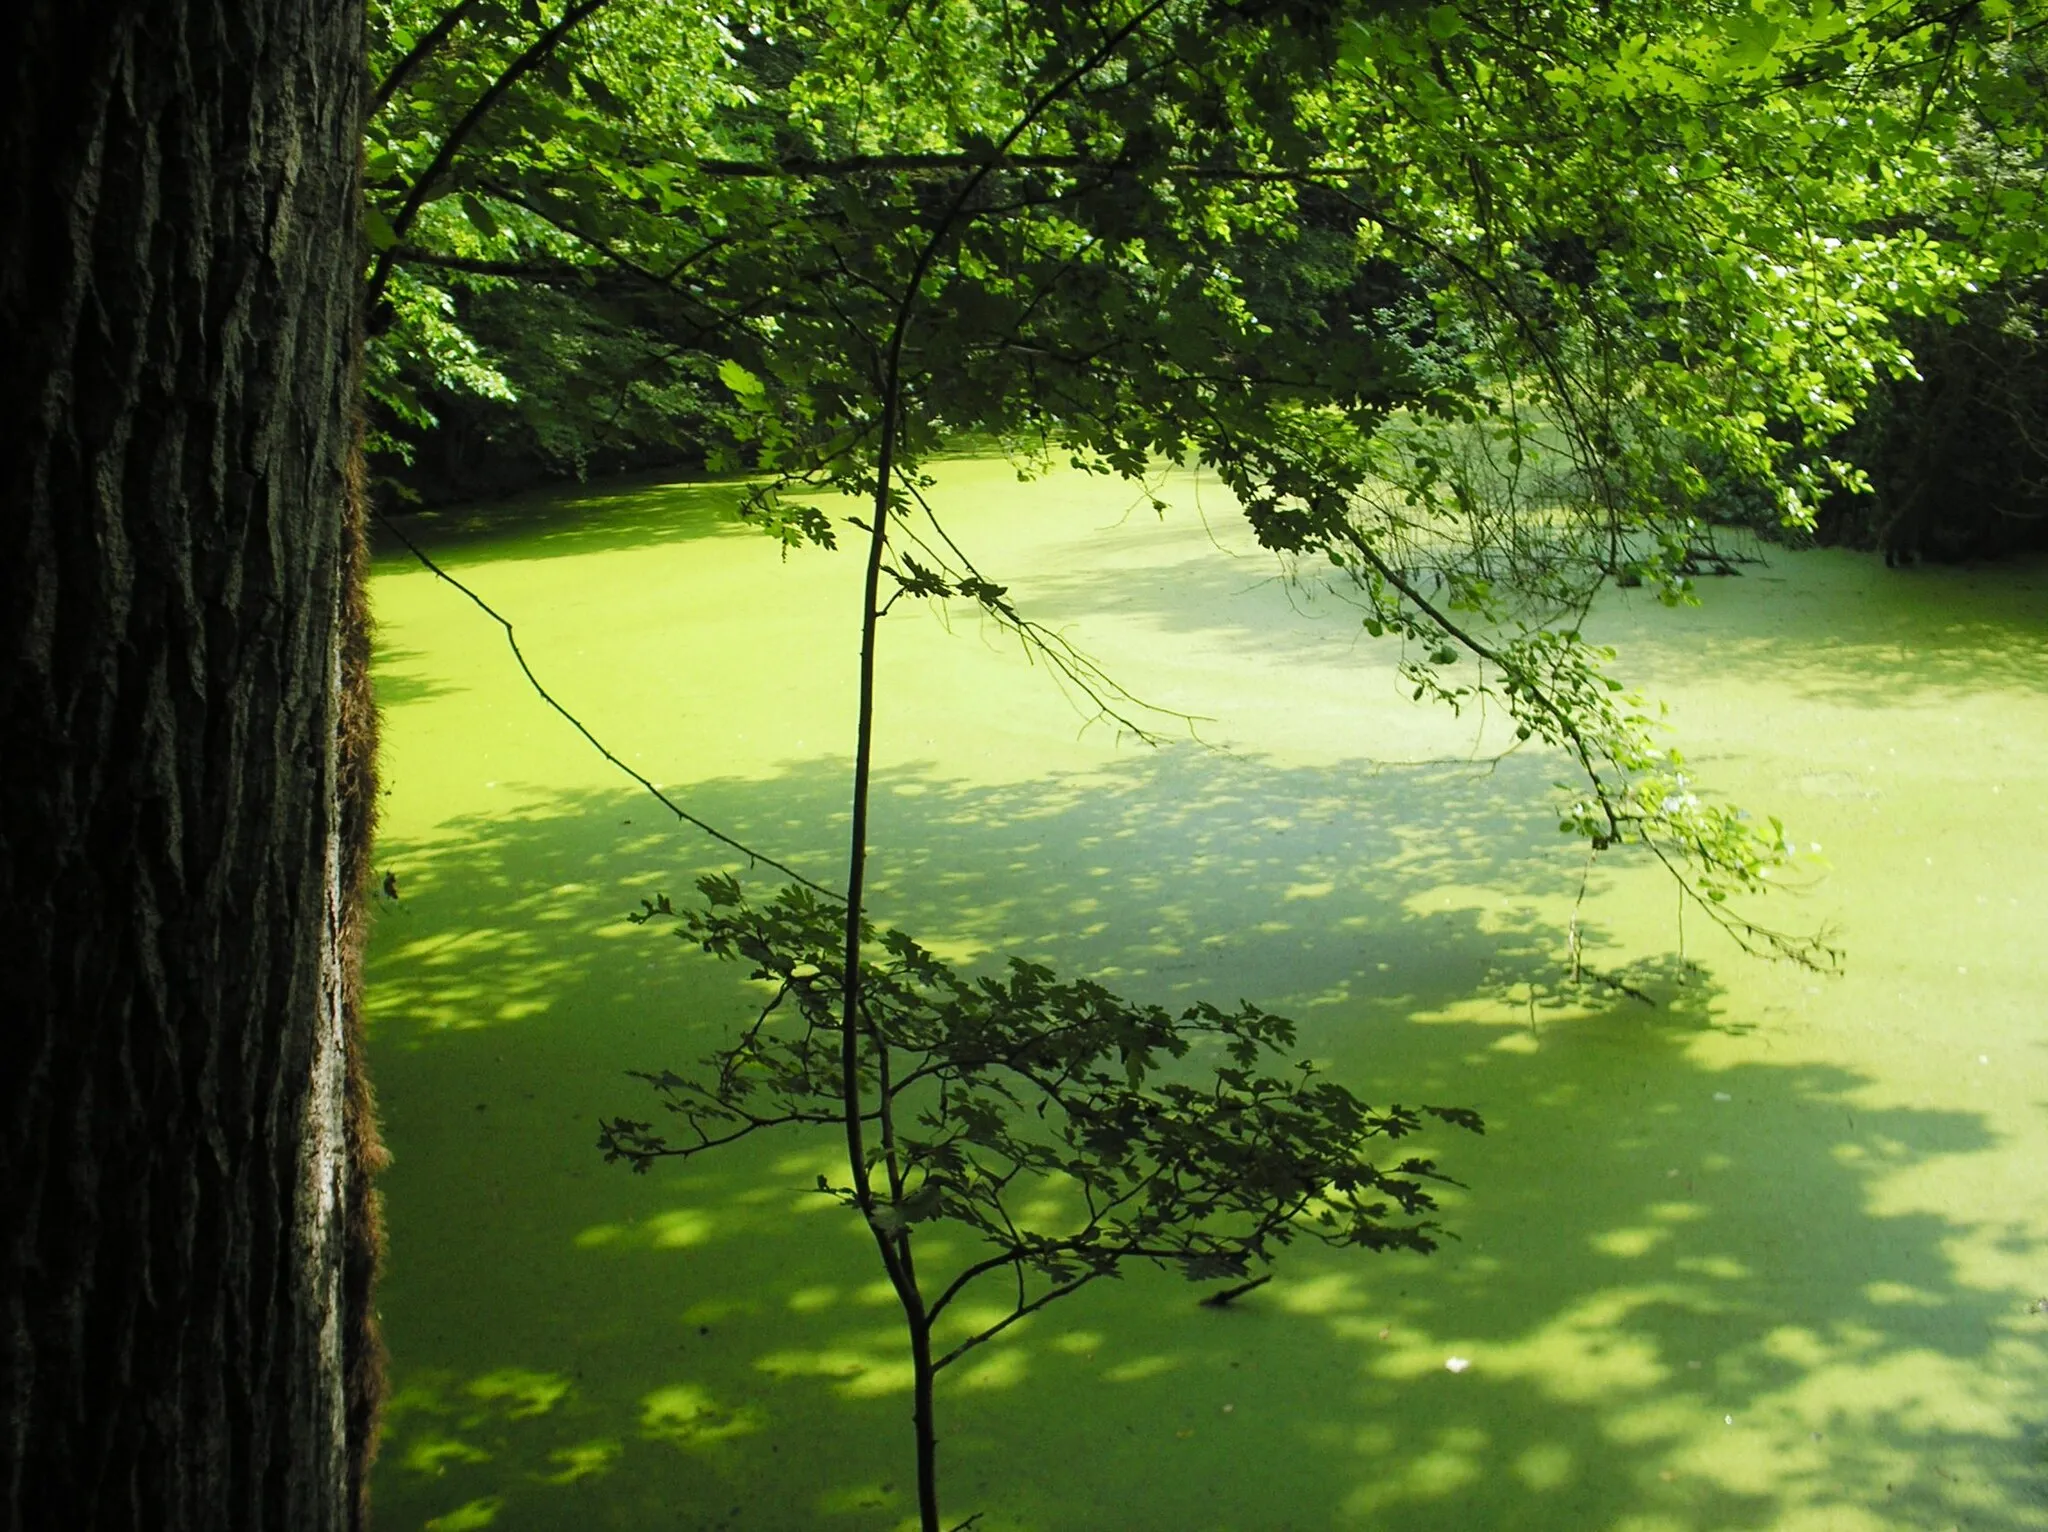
(1764, 1255)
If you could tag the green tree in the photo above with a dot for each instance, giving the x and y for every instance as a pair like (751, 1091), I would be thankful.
(1193, 1141)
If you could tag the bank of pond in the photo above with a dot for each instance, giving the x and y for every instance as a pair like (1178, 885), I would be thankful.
(1744, 1246)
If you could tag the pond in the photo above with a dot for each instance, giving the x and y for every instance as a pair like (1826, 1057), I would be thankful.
(1765, 1254)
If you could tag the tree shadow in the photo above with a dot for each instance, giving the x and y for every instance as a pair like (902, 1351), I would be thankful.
(1685, 1296)
(405, 676)
(1839, 627)
(1830, 624)
(626, 513)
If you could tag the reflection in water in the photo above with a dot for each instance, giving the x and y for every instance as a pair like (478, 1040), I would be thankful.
(1759, 1255)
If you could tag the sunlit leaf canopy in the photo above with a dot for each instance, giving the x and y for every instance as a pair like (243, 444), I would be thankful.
(1467, 299)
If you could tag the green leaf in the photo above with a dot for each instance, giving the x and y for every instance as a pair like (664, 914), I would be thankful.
(479, 215)
(739, 380)
(601, 95)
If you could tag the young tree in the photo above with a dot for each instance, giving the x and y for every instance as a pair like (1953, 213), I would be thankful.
(1194, 1142)
(184, 1133)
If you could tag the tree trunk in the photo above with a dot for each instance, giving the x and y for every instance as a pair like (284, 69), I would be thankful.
(186, 1229)
(924, 1422)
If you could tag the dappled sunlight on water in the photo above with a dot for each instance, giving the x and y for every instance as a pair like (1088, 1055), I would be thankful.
(1757, 1255)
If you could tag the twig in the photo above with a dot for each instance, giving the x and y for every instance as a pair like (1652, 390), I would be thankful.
(1613, 983)
(749, 852)
(1230, 1295)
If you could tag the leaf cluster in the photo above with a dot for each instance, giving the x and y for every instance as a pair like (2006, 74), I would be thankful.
(1070, 1129)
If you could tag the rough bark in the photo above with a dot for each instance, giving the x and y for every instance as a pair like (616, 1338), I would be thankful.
(362, 1344)
(179, 1302)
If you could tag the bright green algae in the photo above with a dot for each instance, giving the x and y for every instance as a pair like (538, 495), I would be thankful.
(1762, 1256)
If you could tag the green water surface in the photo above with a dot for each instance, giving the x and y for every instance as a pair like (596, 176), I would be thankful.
(1763, 1256)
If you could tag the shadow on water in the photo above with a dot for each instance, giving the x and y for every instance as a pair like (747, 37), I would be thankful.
(1684, 1301)
(1931, 633)
(406, 676)
(626, 513)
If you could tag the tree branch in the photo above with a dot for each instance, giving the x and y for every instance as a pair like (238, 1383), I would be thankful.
(752, 855)
(535, 55)
(422, 50)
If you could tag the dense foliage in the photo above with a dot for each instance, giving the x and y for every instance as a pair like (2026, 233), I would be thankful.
(1000, 1088)
(1205, 1179)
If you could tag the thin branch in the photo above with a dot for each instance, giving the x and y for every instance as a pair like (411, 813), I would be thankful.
(555, 221)
(748, 1127)
(536, 55)
(429, 44)
(549, 272)
(803, 167)
(1066, 660)
(1568, 725)
(750, 853)
(1022, 1311)
(979, 1269)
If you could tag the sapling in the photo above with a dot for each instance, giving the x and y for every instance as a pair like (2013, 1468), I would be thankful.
(1189, 1140)
(1071, 1130)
